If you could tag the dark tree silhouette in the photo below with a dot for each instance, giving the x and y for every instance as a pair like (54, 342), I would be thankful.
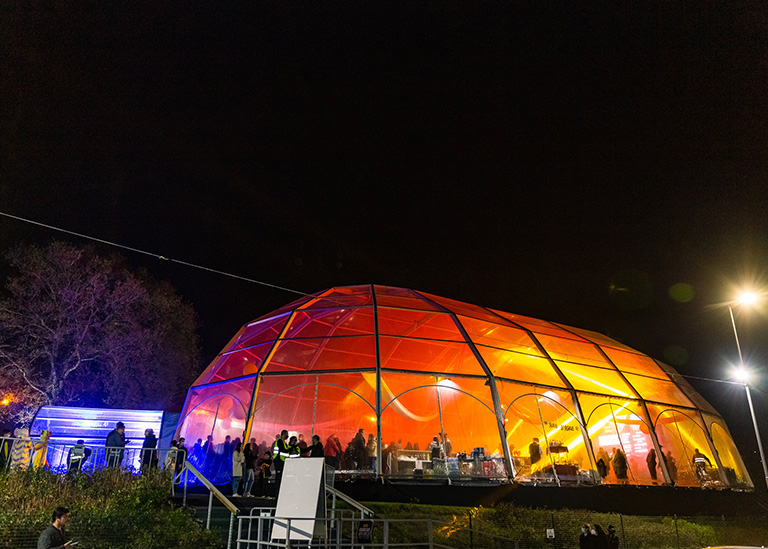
(79, 328)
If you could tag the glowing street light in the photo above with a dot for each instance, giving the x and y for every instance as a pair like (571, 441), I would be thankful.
(742, 374)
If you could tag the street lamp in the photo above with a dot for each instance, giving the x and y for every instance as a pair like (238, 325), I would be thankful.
(748, 298)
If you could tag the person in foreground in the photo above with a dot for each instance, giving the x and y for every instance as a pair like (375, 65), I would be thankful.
(54, 537)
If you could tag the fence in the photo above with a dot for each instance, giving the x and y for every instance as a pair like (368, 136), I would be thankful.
(532, 529)
(61, 458)
(255, 532)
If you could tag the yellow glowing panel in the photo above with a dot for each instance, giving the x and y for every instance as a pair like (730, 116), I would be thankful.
(658, 390)
(521, 367)
(595, 337)
(635, 363)
(499, 335)
(595, 380)
(735, 472)
(573, 351)
(680, 432)
(538, 326)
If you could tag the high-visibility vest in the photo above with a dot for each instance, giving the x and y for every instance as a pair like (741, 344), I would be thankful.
(280, 450)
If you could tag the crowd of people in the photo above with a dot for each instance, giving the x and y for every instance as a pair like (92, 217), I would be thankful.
(252, 465)
(594, 537)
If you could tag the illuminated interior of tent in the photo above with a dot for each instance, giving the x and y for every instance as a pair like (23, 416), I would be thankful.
(450, 389)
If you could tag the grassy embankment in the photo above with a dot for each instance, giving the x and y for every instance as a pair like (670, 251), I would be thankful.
(108, 508)
(499, 526)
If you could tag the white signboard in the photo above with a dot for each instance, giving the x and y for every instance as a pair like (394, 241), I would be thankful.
(550, 533)
(301, 497)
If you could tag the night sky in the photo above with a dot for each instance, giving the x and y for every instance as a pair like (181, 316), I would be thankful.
(568, 162)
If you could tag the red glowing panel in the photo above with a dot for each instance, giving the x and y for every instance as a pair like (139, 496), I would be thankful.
(330, 323)
(418, 324)
(428, 356)
(324, 354)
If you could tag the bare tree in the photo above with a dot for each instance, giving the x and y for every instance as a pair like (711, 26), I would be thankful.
(76, 327)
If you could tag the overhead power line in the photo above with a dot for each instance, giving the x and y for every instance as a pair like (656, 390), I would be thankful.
(151, 254)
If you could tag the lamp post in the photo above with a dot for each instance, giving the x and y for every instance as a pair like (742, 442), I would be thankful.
(747, 299)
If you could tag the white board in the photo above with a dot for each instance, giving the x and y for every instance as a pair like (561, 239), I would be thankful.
(302, 497)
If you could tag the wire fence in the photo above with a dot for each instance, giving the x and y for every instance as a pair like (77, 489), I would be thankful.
(561, 530)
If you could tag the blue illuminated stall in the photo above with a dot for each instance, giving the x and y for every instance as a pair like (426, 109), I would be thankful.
(69, 424)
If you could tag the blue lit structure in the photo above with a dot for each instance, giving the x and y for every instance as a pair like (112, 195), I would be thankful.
(69, 424)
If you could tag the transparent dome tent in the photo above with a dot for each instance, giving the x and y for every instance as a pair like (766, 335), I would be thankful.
(507, 396)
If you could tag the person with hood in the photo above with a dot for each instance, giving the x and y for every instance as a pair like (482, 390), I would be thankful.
(115, 445)
(601, 538)
(603, 463)
(650, 460)
(21, 452)
(148, 450)
(620, 466)
(613, 539)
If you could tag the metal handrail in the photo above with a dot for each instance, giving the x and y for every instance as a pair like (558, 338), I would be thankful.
(354, 503)
(337, 525)
(208, 484)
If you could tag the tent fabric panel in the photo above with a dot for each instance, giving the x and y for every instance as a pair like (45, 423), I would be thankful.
(361, 289)
(686, 387)
(403, 302)
(392, 291)
(538, 326)
(620, 423)
(464, 309)
(733, 467)
(573, 351)
(635, 363)
(438, 357)
(335, 404)
(681, 432)
(413, 416)
(218, 410)
(237, 364)
(658, 390)
(549, 416)
(498, 335)
(337, 301)
(595, 337)
(358, 352)
(595, 380)
(308, 323)
(418, 324)
(259, 331)
(520, 367)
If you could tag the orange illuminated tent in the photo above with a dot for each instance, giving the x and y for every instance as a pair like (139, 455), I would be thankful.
(449, 389)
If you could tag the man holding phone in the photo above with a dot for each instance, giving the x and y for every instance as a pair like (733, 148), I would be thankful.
(54, 537)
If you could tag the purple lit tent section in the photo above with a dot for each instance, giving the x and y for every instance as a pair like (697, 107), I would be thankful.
(406, 366)
(69, 424)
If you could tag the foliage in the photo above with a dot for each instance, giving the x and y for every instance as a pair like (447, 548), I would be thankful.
(109, 509)
(503, 524)
(78, 328)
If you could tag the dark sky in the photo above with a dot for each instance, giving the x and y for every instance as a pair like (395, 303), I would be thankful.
(569, 162)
